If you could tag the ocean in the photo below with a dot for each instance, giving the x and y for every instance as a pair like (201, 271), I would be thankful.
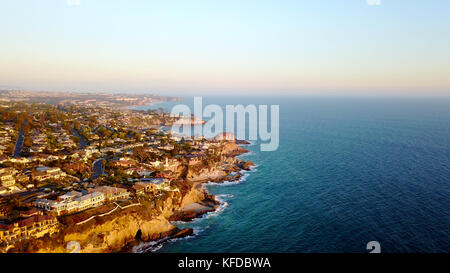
(347, 171)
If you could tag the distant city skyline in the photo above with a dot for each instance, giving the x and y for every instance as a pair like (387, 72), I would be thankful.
(326, 47)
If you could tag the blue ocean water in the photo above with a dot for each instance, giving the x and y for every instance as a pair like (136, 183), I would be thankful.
(347, 171)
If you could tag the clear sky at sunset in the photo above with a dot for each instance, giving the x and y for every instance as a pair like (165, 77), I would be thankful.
(227, 46)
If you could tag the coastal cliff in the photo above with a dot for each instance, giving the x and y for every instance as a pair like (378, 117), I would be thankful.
(114, 234)
(220, 170)
(145, 219)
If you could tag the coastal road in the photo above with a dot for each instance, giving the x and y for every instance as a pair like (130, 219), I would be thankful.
(97, 168)
(83, 143)
(19, 141)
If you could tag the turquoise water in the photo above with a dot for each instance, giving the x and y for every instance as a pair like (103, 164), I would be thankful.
(347, 171)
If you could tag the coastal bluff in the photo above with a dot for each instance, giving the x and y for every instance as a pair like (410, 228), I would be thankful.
(145, 219)
(119, 230)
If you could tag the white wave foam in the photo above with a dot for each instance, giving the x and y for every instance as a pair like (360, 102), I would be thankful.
(148, 247)
(230, 183)
(157, 245)
(226, 195)
(198, 230)
(243, 178)
(223, 205)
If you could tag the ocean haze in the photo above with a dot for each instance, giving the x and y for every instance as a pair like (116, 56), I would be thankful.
(256, 46)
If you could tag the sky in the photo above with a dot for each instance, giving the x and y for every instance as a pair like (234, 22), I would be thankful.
(319, 47)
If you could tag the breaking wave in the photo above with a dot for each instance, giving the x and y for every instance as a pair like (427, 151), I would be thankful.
(154, 246)
(198, 229)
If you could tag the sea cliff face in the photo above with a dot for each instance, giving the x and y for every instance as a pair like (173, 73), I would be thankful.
(118, 230)
(113, 235)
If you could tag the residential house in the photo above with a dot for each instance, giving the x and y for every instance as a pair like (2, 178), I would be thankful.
(32, 227)
(90, 200)
(7, 177)
(122, 162)
(139, 171)
(112, 193)
(71, 202)
(155, 183)
(145, 186)
(44, 173)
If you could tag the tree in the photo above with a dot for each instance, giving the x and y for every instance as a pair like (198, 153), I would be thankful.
(140, 154)
(187, 147)
(75, 139)
(76, 125)
(174, 152)
(28, 142)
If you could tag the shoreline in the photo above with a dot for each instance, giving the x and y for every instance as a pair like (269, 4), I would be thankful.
(151, 223)
(197, 209)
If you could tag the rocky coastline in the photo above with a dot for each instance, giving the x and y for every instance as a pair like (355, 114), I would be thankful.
(148, 221)
(209, 203)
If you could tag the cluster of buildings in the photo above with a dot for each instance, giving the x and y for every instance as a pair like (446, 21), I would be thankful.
(39, 142)
(5, 138)
(63, 136)
(78, 98)
(8, 181)
(151, 185)
(75, 201)
(13, 180)
(85, 153)
(32, 226)
(49, 145)
(45, 173)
